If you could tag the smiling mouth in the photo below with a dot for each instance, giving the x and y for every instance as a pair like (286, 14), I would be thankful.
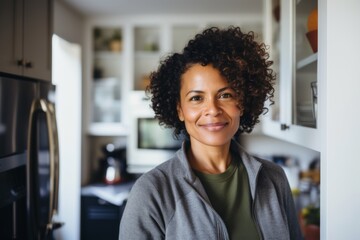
(214, 126)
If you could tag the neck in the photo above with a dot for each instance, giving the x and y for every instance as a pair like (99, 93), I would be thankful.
(209, 159)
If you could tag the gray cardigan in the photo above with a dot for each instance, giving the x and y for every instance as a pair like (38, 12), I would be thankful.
(169, 202)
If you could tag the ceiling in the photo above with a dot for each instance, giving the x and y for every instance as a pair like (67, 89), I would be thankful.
(123, 7)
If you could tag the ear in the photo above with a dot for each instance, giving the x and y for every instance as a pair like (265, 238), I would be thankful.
(179, 112)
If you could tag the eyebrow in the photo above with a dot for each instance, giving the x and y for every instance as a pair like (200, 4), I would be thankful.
(199, 91)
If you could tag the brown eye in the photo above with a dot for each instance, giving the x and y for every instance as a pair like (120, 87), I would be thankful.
(226, 95)
(195, 98)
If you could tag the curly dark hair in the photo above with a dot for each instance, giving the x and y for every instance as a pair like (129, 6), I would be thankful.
(240, 59)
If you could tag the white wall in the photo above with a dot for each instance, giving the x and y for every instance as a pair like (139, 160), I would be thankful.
(67, 79)
(67, 76)
(339, 98)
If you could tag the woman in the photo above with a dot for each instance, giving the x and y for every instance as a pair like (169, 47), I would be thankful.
(212, 189)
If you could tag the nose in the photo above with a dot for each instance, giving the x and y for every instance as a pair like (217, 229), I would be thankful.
(212, 108)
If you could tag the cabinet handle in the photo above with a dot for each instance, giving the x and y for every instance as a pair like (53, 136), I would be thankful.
(20, 62)
(54, 225)
(28, 64)
(284, 127)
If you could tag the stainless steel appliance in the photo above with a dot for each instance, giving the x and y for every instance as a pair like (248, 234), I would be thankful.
(29, 159)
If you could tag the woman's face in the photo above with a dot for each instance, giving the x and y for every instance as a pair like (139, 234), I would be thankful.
(208, 106)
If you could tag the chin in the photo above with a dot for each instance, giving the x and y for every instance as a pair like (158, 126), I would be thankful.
(214, 141)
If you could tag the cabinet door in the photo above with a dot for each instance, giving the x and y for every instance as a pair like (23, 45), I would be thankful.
(305, 66)
(107, 81)
(99, 219)
(37, 38)
(147, 49)
(293, 117)
(11, 36)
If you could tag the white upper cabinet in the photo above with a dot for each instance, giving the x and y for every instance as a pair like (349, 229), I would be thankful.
(25, 43)
(292, 29)
(148, 46)
(107, 80)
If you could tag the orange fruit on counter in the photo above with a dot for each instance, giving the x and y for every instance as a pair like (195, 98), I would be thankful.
(312, 23)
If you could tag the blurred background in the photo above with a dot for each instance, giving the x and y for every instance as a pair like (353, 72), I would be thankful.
(101, 54)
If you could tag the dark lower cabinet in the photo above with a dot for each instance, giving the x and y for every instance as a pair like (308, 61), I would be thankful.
(13, 222)
(99, 219)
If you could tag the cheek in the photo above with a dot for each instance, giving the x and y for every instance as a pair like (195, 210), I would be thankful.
(234, 109)
(239, 110)
(236, 114)
(190, 114)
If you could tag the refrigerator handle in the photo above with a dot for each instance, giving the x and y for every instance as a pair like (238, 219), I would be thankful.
(37, 106)
(42, 105)
(54, 163)
(54, 147)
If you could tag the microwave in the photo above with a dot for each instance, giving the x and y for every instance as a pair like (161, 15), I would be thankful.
(149, 144)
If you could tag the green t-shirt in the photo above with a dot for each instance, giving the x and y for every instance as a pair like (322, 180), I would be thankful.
(229, 194)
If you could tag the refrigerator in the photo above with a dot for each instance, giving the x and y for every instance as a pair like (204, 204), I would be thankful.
(29, 159)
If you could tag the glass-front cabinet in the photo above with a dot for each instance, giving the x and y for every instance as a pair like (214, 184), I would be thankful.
(107, 79)
(292, 36)
(305, 86)
(147, 50)
(152, 43)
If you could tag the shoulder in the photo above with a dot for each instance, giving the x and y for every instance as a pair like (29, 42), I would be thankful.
(154, 179)
(158, 191)
(150, 205)
(174, 169)
(165, 171)
(165, 179)
(273, 174)
(272, 169)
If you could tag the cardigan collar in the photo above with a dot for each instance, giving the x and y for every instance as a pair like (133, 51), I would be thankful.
(251, 164)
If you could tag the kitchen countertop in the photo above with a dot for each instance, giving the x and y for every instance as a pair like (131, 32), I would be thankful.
(115, 194)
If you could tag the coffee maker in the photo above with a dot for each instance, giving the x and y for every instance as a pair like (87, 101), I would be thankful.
(113, 164)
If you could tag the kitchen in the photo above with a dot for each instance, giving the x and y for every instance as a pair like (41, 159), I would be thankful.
(336, 144)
